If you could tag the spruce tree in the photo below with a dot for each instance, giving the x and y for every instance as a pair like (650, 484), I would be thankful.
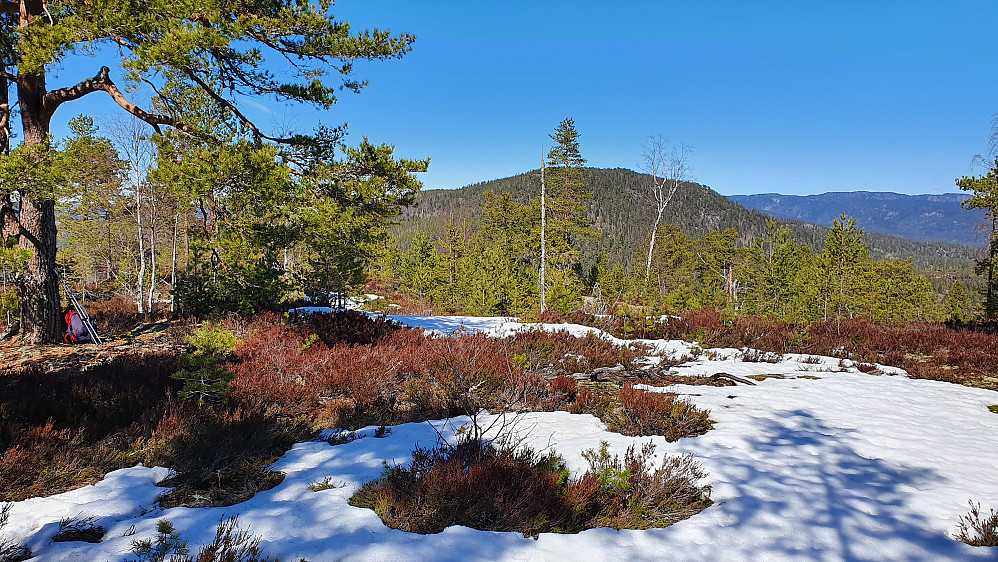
(567, 215)
(958, 307)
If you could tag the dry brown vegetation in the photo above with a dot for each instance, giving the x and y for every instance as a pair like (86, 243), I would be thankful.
(976, 529)
(498, 486)
(60, 429)
(963, 354)
(291, 378)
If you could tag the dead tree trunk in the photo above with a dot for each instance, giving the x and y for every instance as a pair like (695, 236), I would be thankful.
(544, 253)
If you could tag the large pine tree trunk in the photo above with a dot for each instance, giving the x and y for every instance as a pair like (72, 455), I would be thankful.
(38, 288)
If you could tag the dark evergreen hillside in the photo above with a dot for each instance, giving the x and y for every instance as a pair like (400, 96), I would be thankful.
(624, 216)
(926, 218)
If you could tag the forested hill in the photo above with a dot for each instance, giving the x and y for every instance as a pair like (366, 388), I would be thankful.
(917, 217)
(623, 214)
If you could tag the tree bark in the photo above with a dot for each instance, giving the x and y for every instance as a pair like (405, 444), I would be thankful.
(544, 254)
(38, 288)
(651, 244)
(152, 251)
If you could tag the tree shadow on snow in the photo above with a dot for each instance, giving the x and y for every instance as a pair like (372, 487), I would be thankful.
(813, 496)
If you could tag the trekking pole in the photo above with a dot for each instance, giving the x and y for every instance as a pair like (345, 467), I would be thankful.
(94, 336)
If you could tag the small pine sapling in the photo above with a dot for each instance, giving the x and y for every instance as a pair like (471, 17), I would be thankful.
(204, 377)
(166, 543)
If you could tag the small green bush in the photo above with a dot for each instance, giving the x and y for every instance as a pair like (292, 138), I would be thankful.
(8, 304)
(231, 544)
(325, 483)
(203, 376)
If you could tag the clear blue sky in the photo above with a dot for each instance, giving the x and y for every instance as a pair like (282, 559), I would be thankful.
(789, 97)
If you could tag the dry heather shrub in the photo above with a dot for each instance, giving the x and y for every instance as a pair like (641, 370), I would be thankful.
(231, 544)
(977, 531)
(220, 453)
(567, 354)
(658, 413)
(474, 483)
(599, 404)
(400, 376)
(564, 389)
(345, 327)
(60, 432)
(638, 496)
(502, 487)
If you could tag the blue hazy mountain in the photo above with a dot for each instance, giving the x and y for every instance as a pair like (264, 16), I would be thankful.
(926, 218)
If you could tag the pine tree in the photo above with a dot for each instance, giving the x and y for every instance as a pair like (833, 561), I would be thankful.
(844, 261)
(985, 189)
(452, 262)
(422, 272)
(781, 277)
(899, 294)
(223, 49)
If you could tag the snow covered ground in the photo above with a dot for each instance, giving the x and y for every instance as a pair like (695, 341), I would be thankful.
(847, 466)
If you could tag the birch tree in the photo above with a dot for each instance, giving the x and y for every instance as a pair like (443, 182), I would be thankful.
(668, 165)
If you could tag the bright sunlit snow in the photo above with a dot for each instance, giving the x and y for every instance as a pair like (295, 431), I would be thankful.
(848, 466)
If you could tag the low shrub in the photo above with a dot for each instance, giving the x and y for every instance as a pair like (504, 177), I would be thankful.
(638, 496)
(405, 376)
(344, 327)
(563, 353)
(478, 484)
(203, 376)
(976, 530)
(78, 528)
(563, 389)
(657, 413)
(597, 403)
(497, 486)
(231, 544)
(220, 453)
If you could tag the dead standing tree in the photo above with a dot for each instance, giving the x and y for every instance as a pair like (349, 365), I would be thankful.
(668, 166)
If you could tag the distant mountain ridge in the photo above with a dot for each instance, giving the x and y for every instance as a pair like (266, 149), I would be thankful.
(925, 218)
(622, 213)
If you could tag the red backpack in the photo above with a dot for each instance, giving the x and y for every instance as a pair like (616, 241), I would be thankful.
(73, 333)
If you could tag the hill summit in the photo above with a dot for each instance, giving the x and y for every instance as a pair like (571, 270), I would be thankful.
(623, 213)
